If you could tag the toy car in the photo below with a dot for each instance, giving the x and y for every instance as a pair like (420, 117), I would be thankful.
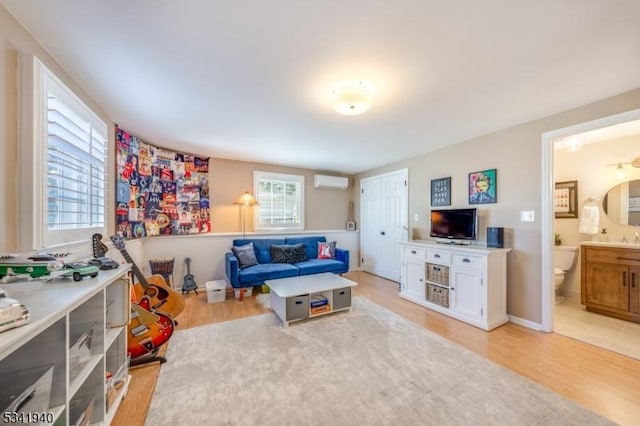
(17, 267)
(12, 313)
(104, 263)
(78, 270)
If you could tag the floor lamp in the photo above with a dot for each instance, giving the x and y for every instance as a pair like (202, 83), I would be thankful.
(245, 200)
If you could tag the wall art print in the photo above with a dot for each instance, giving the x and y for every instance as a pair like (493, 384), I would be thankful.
(159, 191)
(441, 192)
(483, 187)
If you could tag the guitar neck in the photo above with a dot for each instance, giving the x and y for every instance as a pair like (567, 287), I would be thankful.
(134, 268)
(188, 260)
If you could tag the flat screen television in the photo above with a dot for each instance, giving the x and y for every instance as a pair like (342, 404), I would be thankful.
(454, 224)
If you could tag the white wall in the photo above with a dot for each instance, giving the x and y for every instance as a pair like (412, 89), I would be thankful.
(589, 166)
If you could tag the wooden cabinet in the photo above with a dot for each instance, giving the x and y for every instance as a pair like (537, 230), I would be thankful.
(610, 280)
(77, 337)
(468, 283)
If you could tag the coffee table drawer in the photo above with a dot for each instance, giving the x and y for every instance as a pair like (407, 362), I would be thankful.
(297, 307)
(341, 298)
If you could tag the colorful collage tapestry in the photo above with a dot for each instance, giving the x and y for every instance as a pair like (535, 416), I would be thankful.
(159, 192)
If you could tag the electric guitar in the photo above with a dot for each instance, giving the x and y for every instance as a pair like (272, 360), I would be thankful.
(147, 330)
(189, 282)
(160, 295)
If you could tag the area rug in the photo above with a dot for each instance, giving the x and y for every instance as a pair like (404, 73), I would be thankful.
(367, 366)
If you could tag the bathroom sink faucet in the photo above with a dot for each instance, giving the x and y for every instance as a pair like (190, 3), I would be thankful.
(637, 239)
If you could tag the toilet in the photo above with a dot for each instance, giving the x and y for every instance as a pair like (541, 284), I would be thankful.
(563, 261)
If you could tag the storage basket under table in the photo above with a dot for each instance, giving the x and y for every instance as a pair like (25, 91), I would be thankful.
(438, 274)
(438, 295)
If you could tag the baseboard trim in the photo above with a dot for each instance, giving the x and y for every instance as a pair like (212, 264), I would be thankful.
(525, 323)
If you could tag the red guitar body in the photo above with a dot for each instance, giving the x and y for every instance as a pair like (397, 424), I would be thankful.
(147, 330)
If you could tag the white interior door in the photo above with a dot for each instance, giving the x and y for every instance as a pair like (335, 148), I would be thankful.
(384, 222)
(370, 223)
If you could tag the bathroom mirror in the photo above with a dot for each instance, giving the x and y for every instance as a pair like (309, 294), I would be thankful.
(622, 203)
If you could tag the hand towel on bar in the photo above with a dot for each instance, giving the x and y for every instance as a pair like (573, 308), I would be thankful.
(589, 220)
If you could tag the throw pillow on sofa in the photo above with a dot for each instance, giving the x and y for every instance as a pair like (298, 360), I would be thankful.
(326, 250)
(288, 253)
(246, 255)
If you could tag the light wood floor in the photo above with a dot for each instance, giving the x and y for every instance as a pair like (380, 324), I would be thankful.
(602, 381)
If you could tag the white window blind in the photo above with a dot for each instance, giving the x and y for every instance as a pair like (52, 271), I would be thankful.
(76, 153)
(63, 155)
(281, 200)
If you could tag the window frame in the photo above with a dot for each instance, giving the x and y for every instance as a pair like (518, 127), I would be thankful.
(35, 82)
(286, 177)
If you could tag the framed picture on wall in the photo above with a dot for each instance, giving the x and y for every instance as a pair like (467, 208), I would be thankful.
(441, 192)
(565, 200)
(483, 187)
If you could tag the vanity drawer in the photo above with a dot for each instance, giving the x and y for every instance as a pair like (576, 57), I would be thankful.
(467, 261)
(441, 257)
(414, 253)
(608, 255)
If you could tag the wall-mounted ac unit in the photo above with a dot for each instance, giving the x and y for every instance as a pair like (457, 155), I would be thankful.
(330, 182)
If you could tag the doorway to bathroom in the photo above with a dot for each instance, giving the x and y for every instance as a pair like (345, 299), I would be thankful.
(598, 156)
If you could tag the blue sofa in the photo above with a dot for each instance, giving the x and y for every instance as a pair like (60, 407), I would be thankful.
(267, 270)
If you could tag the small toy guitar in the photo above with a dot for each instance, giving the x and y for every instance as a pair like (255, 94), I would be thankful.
(189, 283)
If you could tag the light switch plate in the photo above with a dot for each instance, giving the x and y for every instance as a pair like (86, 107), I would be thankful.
(527, 216)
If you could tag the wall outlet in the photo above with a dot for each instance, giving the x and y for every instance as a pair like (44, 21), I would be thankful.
(527, 216)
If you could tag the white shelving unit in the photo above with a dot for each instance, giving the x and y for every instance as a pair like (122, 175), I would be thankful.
(468, 283)
(77, 330)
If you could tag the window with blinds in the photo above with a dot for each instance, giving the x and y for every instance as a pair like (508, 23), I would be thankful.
(281, 201)
(63, 156)
(76, 154)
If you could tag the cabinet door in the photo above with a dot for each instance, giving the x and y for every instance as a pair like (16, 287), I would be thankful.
(414, 278)
(465, 296)
(607, 285)
(634, 291)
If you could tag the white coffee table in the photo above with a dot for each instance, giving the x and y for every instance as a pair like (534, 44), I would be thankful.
(291, 298)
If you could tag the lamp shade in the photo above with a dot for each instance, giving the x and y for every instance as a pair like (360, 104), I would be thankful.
(352, 97)
(246, 199)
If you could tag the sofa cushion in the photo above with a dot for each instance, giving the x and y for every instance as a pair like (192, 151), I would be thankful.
(246, 255)
(310, 244)
(268, 271)
(288, 253)
(262, 247)
(316, 266)
(327, 250)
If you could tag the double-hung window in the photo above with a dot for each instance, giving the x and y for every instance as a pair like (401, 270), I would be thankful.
(281, 201)
(65, 153)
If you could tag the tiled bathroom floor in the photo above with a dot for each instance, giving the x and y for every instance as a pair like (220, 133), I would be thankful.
(572, 320)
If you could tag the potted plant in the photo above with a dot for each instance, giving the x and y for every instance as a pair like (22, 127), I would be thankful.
(557, 239)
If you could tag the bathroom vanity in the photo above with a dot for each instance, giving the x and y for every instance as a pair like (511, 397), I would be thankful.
(610, 279)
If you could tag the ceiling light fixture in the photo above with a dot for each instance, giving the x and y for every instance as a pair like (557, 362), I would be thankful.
(352, 97)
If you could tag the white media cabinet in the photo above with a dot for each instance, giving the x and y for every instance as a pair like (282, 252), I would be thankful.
(78, 334)
(465, 282)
